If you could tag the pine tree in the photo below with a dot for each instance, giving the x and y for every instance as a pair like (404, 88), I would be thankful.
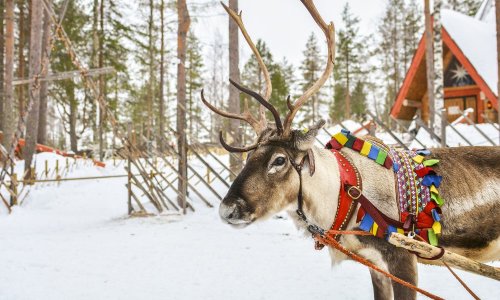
(71, 106)
(254, 79)
(194, 68)
(349, 63)
(311, 71)
(468, 7)
(400, 29)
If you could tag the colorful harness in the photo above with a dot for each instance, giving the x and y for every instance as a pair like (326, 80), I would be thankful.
(417, 183)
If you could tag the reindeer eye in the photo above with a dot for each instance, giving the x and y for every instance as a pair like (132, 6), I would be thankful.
(279, 161)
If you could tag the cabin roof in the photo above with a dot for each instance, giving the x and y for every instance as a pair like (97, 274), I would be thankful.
(473, 42)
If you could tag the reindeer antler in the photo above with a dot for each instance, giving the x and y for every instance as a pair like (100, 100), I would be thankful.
(329, 31)
(257, 125)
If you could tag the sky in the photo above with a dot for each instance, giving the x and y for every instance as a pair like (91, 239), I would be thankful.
(285, 24)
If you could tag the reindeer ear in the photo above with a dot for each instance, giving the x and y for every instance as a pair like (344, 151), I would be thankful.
(303, 141)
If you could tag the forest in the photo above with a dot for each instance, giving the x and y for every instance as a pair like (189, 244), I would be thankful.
(127, 55)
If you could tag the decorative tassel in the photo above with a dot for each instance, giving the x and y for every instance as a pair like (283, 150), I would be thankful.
(374, 228)
(418, 159)
(432, 237)
(373, 153)
(350, 141)
(424, 171)
(432, 179)
(381, 157)
(395, 167)
(365, 150)
(436, 227)
(358, 144)
(435, 215)
(342, 139)
(439, 201)
(424, 152)
(430, 162)
(400, 230)
(434, 190)
(366, 223)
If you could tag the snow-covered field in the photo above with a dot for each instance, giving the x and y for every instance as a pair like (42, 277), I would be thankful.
(74, 241)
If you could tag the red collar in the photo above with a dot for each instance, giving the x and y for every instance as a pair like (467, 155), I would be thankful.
(349, 175)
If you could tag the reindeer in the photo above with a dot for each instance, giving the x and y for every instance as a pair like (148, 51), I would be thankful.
(271, 182)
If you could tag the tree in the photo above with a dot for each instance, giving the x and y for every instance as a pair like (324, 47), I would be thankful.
(46, 49)
(358, 100)
(194, 66)
(71, 105)
(9, 113)
(183, 26)
(281, 82)
(2, 65)
(349, 62)
(399, 32)
(34, 88)
(468, 7)
(234, 99)
(311, 70)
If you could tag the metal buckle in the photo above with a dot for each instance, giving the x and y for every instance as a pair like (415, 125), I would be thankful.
(355, 188)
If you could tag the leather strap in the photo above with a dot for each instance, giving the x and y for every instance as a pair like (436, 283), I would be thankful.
(349, 176)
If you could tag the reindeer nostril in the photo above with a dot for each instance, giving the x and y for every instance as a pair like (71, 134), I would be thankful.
(230, 216)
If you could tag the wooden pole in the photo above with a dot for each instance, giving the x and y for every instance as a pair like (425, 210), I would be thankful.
(129, 170)
(429, 63)
(13, 187)
(497, 10)
(460, 262)
(438, 67)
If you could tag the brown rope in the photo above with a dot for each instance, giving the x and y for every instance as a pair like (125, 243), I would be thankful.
(461, 282)
(332, 242)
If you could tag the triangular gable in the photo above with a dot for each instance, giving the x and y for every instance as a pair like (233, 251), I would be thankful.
(462, 59)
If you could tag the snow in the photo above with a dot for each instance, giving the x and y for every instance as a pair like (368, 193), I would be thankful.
(74, 241)
(453, 139)
(477, 40)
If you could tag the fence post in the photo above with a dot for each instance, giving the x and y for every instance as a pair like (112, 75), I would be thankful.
(67, 164)
(208, 176)
(46, 169)
(57, 171)
(444, 120)
(33, 175)
(129, 170)
(13, 187)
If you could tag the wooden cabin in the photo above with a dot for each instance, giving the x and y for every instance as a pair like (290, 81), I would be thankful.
(470, 72)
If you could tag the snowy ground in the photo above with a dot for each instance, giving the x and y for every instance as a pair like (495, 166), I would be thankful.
(74, 241)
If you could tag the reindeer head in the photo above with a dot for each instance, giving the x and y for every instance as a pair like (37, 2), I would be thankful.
(269, 182)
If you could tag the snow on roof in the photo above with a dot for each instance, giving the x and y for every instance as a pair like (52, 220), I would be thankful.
(486, 11)
(477, 40)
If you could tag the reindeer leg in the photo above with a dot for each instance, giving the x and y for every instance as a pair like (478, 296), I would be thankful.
(382, 287)
(398, 262)
(403, 265)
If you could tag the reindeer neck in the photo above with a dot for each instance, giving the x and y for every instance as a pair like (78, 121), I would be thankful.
(322, 189)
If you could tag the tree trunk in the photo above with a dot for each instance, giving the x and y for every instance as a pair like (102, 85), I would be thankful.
(234, 98)
(22, 63)
(73, 115)
(34, 87)
(182, 30)
(429, 57)
(95, 64)
(497, 11)
(46, 46)
(438, 69)
(161, 117)
(2, 66)
(102, 82)
(151, 86)
(9, 113)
